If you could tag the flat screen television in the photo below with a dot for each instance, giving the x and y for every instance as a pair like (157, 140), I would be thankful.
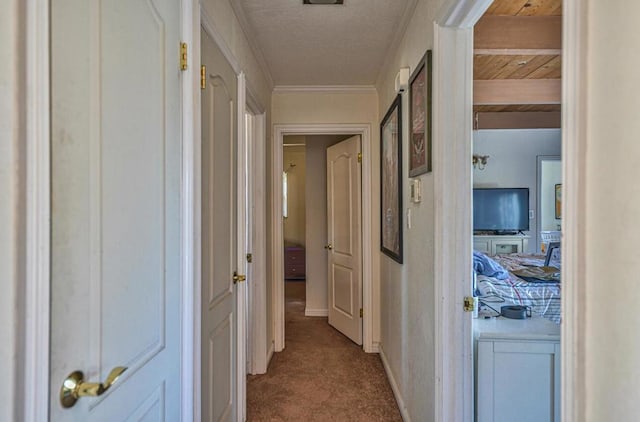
(500, 210)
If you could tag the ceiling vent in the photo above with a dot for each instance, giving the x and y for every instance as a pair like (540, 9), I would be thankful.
(322, 1)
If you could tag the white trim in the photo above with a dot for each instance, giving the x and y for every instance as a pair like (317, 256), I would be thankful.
(189, 239)
(329, 89)
(316, 312)
(258, 284)
(238, 10)
(254, 105)
(574, 133)
(241, 248)
(193, 81)
(277, 242)
(38, 184)
(394, 387)
(461, 14)
(452, 113)
(270, 353)
(207, 23)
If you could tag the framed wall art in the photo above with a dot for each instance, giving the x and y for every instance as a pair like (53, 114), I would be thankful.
(420, 118)
(558, 190)
(391, 181)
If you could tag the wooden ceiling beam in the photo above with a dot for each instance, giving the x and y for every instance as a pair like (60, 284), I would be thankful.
(518, 33)
(517, 120)
(517, 52)
(517, 91)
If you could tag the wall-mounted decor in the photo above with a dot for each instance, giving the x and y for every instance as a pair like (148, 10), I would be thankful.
(391, 181)
(559, 201)
(420, 118)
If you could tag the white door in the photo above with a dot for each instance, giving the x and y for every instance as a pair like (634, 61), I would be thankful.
(219, 236)
(116, 154)
(344, 238)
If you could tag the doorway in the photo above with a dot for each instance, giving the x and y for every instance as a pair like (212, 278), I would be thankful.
(454, 92)
(322, 228)
(277, 257)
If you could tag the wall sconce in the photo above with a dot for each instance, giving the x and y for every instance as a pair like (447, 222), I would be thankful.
(479, 161)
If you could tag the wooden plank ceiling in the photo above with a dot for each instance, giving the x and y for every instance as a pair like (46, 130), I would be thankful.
(517, 59)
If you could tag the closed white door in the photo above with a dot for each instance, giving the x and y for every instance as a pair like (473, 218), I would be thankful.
(344, 238)
(116, 154)
(219, 236)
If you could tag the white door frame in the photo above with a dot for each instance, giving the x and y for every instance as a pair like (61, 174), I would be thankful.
(256, 285)
(452, 116)
(36, 309)
(574, 164)
(277, 240)
(38, 185)
(453, 74)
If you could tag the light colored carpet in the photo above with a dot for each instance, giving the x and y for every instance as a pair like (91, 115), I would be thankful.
(320, 376)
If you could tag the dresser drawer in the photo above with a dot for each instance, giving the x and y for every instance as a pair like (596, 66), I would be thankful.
(294, 262)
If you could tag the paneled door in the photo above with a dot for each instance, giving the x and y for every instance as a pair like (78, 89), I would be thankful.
(116, 163)
(344, 237)
(219, 236)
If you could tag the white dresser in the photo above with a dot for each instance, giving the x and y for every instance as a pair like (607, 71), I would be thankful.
(496, 245)
(517, 370)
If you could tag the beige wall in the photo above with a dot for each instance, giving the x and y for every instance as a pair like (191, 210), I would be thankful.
(359, 107)
(294, 223)
(612, 181)
(12, 209)
(407, 291)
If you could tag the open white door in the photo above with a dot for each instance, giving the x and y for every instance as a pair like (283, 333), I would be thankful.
(115, 241)
(219, 236)
(344, 237)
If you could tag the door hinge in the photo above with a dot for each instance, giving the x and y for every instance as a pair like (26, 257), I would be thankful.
(249, 257)
(359, 157)
(203, 77)
(469, 304)
(361, 313)
(183, 56)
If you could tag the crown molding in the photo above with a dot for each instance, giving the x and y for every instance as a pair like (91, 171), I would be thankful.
(238, 10)
(461, 13)
(279, 89)
(397, 37)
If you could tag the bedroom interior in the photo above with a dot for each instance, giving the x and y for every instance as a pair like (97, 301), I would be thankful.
(517, 185)
(304, 225)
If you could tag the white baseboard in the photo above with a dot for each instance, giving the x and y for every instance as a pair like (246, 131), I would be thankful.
(375, 348)
(316, 312)
(394, 386)
(270, 353)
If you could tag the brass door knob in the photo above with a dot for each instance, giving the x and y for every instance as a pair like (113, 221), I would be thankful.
(329, 246)
(75, 387)
(237, 278)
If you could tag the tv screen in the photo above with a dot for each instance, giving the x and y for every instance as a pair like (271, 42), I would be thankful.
(501, 209)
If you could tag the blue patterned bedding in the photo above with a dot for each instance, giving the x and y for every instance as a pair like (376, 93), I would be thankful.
(542, 297)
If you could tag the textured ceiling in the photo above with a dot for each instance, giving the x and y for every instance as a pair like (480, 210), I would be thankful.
(324, 45)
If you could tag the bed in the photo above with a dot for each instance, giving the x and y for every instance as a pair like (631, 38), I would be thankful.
(519, 279)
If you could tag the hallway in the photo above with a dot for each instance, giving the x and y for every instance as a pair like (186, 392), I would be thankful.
(320, 376)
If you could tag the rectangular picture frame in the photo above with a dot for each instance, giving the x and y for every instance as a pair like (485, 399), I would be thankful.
(391, 181)
(420, 89)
